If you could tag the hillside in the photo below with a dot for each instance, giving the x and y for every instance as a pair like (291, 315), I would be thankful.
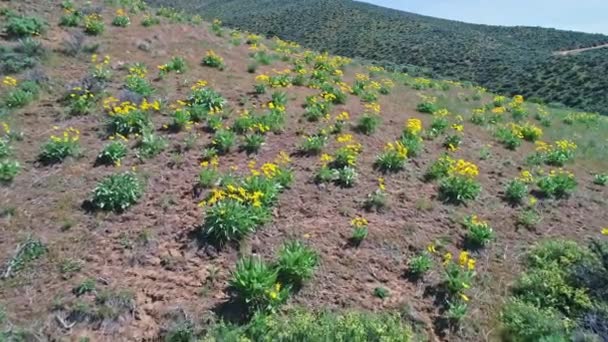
(164, 178)
(502, 59)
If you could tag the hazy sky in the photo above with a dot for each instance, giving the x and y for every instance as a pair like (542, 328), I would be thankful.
(577, 15)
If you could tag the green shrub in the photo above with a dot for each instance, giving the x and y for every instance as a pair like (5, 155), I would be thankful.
(359, 234)
(93, 24)
(150, 145)
(25, 93)
(59, 148)
(9, 169)
(139, 85)
(22, 26)
(528, 218)
(368, 123)
(5, 148)
(117, 192)
(314, 144)
(81, 102)
(508, 138)
(346, 177)
(121, 19)
(70, 19)
(557, 184)
(600, 179)
(457, 190)
(427, 107)
(135, 121)
(252, 143)
(149, 20)
(208, 177)
(296, 263)
(256, 284)
(393, 158)
(229, 220)
(479, 232)
(381, 292)
(207, 98)
(420, 264)
(113, 153)
(515, 191)
(213, 60)
(223, 140)
(526, 322)
(439, 169)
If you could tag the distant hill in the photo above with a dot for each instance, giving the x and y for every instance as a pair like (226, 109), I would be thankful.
(504, 59)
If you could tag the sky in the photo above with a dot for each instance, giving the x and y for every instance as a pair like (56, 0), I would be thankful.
(577, 15)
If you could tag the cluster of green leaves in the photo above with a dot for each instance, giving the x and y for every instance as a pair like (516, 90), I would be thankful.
(22, 95)
(263, 287)
(26, 54)
(559, 184)
(515, 191)
(303, 325)
(117, 192)
(9, 168)
(457, 189)
(560, 294)
(230, 219)
(24, 26)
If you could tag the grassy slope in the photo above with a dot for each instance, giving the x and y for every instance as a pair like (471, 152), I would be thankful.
(150, 251)
(504, 59)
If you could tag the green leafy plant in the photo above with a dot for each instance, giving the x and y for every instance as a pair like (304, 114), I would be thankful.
(25, 93)
(229, 220)
(393, 158)
(93, 24)
(113, 153)
(9, 169)
(117, 192)
(59, 148)
(24, 26)
(420, 264)
(213, 60)
(456, 189)
(296, 263)
(121, 19)
(253, 142)
(381, 292)
(479, 232)
(314, 144)
(223, 140)
(600, 179)
(150, 145)
(557, 184)
(368, 123)
(256, 284)
(515, 191)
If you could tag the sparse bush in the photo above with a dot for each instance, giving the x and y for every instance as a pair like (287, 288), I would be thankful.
(23, 26)
(420, 264)
(600, 179)
(515, 191)
(368, 123)
(223, 140)
(256, 284)
(558, 184)
(253, 142)
(213, 60)
(479, 232)
(93, 24)
(296, 263)
(9, 169)
(60, 147)
(121, 19)
(393, 158)
(314, 144)
(113, 153)
(229, 221)
(150, 145)
(117, 192)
